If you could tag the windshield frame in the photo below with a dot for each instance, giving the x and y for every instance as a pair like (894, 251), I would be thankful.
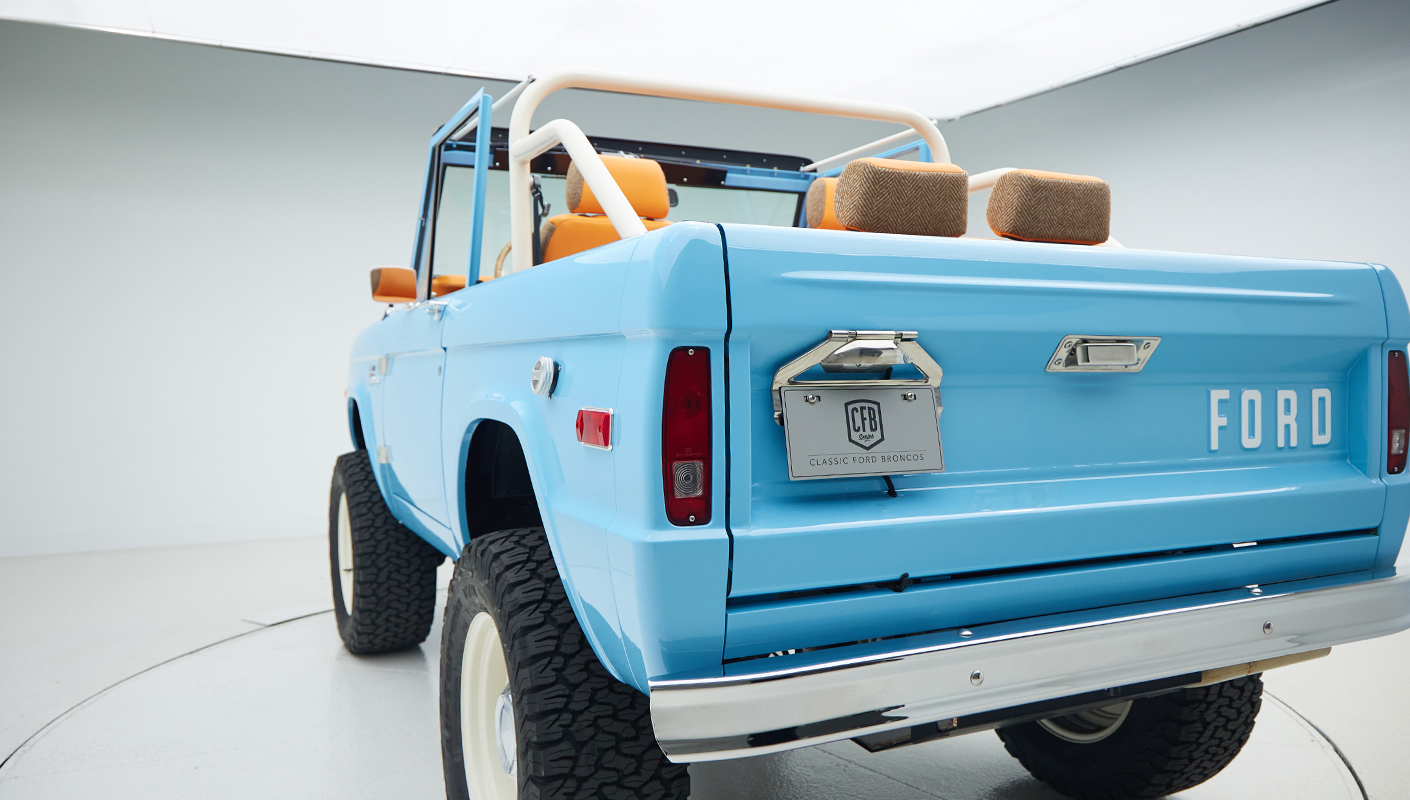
(683, 164)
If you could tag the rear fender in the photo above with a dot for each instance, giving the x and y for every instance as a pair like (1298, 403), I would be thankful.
(649, 596)
(493, 334)
(596, 611)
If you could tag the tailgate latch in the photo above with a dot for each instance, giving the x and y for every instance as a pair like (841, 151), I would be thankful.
(860, 352)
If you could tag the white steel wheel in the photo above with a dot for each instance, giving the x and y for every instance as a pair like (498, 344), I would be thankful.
(1091, 725)
(345, 553)
(487, 733)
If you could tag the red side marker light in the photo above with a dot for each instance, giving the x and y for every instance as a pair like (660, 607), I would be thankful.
(595, 427)
(685, 436)
(1397, 412)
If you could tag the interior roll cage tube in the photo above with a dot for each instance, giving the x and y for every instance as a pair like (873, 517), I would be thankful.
(833, 165)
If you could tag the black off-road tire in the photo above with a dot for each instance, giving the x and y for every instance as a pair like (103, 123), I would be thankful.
(394, 570)
(580, 733)
(1166, 744)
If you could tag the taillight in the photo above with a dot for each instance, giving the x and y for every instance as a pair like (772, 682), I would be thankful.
(1397, 412)
(685, 436)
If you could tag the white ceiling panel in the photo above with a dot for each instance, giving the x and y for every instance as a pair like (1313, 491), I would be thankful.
(945, 59)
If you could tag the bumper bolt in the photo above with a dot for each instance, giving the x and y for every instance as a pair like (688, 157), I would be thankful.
(1267, 628)
(976, 677)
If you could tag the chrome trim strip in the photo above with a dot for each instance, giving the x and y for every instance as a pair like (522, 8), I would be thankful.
(774, 675)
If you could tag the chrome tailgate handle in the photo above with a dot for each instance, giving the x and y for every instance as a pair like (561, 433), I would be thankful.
(1107, 354)
(1103, 353)
(859, 351)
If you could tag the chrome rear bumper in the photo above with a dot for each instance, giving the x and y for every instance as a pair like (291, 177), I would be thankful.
(772, 704)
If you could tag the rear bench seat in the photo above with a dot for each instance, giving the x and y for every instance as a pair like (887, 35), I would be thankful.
(642, 181)
(919, 198)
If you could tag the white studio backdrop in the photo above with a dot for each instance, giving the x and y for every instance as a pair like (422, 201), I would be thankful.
(185, 233)
(945, 58)
(185, 239)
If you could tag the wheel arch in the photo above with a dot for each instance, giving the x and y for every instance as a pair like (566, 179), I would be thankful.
(598, 616)
(494, 474)
(356, 427)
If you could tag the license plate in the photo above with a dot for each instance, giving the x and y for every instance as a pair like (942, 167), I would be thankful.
(837, 433)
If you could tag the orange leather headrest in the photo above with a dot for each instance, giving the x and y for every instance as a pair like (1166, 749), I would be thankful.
(641, 179)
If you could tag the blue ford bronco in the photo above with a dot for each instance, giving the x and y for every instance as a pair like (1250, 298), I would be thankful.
(676, 415)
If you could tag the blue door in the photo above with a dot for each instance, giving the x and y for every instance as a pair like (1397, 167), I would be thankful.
(446, 256)
(411, 398)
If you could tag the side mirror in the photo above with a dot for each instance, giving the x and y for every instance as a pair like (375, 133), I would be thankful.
(393, 285)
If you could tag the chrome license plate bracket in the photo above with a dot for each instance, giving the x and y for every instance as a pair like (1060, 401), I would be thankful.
(836, 432)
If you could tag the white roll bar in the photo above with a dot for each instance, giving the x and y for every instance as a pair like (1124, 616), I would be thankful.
(986, 180)
(825, 164)
(589, 163)
(522, 148)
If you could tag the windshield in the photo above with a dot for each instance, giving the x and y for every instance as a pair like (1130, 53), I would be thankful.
(749, 206)
(698, 203)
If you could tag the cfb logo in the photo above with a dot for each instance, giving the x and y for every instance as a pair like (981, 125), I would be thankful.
(864, 423)
(1285, 416)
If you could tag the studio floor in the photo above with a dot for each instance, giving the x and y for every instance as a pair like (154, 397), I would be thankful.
(214, 671)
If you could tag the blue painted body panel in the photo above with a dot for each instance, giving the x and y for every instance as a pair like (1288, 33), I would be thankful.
(1045, 468)
(1062, 491)
(1397, 509)
(365, 391)
(411, 415)
(616, 313)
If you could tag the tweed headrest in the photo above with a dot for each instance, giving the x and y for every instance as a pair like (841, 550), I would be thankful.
(821, 205)
(1036, 206)
(915, 197)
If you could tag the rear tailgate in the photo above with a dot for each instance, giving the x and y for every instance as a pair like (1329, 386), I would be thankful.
(1060, 490)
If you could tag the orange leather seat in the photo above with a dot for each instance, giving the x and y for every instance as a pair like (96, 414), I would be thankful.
(445, 284)
(642, 181)
(566, 234)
